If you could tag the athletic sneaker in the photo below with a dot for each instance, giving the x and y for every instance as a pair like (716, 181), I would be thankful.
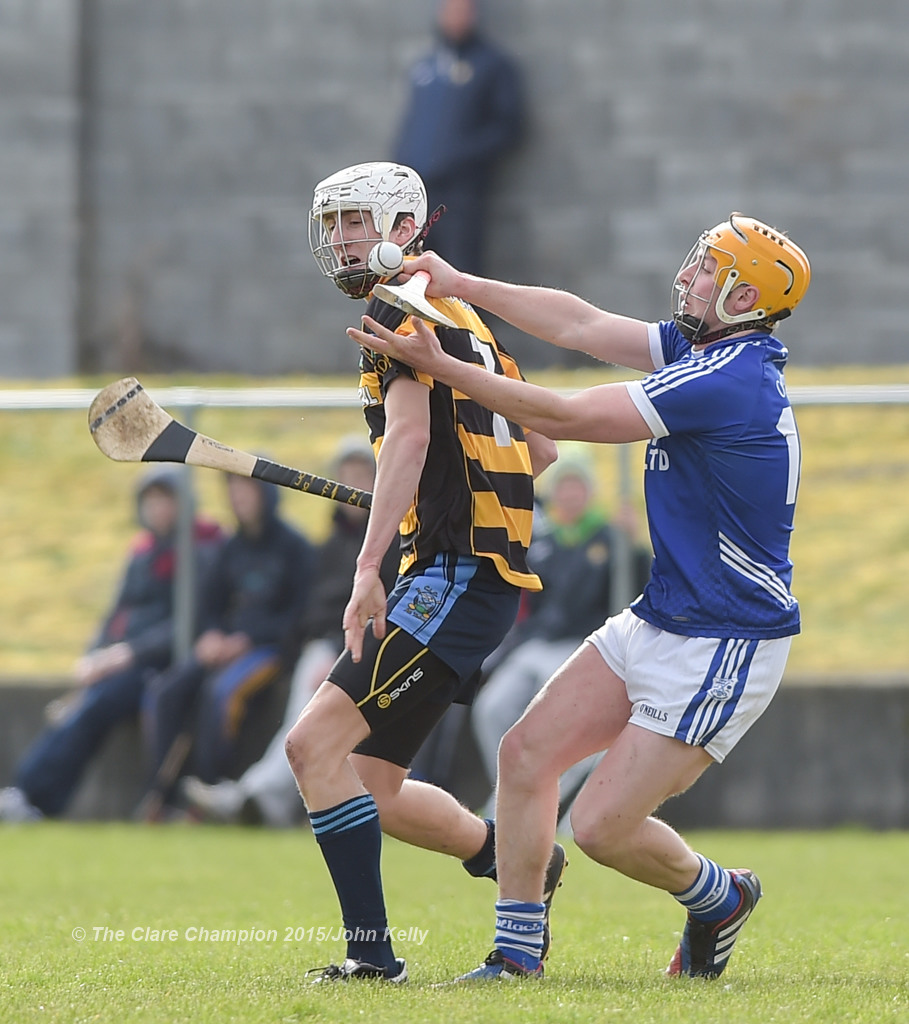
(557, 864)
(15, 806)
(219, 801)
(706, 945)
(359, 970)
(496, 967)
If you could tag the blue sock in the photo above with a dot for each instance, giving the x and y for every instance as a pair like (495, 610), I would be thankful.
(519, 932)
(350, 839)
(713, 896)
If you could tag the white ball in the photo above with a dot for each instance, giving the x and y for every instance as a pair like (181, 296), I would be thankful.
(386, 259)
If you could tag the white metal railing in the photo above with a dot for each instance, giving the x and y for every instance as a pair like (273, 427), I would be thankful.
(315, 397)
(183, 397)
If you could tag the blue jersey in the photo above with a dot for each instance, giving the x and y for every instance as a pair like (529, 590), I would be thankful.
(721, 477)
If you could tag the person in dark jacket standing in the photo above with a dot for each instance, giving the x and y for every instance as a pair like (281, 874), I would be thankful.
(465, 111)
(134, 641)
(252, 601)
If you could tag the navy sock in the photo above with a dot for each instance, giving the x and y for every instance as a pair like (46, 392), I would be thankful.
(350, 839)
(483, 863)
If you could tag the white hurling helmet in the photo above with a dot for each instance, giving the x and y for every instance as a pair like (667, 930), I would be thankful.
(387, 191)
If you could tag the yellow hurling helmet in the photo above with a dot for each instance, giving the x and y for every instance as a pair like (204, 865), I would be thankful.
(746, 252)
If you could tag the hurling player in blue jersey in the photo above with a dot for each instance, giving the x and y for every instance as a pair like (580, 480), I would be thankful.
(670, 685)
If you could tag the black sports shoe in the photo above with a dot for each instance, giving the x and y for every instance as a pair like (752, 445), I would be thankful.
(497, 968)
(359, 970)
(557, 864)
(706, 945)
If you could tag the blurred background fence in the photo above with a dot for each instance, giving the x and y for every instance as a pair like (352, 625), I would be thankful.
(67, 516)
(833, 748)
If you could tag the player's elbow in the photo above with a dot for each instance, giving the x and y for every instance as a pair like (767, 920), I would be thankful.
(543, 452)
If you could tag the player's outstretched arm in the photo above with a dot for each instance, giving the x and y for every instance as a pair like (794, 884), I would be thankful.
(605, 413)
(555, 316)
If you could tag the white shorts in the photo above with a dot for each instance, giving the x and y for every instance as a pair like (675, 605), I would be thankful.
(701, 690)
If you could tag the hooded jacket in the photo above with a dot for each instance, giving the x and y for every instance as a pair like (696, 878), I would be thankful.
(260, 585)
(336, 561)
(141, 614)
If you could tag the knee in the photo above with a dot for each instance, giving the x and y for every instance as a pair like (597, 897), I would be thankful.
(598, 833)
(297, 747)
(313, 750)
(590, 835)
(520, 762)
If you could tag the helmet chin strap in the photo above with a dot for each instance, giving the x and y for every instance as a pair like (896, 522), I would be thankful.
(692, 328)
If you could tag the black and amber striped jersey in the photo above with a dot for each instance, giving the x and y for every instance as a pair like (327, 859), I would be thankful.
(475, 496)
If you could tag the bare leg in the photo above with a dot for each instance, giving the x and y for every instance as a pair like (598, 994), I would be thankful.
(318, 747)
(582, 709)
(319, 750)
(611, 817)
(419, 813)
(578, 712)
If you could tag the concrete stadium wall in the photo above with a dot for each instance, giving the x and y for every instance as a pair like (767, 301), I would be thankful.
(170, 230)
(39, 112)
(116, 779)
(820, 756)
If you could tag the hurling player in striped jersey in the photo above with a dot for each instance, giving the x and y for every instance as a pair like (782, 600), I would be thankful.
(668, 686)
(454, 483)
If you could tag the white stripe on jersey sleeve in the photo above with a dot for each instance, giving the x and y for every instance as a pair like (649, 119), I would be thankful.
(691, 369)
(656, 346)
(645, 407)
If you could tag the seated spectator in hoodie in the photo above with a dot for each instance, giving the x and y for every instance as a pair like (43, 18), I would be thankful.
(134, 642)
(266, 793)
(252, 600)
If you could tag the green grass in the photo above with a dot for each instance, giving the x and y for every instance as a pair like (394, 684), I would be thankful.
(66, 517)
(828, 942)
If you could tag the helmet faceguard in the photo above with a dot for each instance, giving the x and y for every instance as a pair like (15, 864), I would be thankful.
(747, 252)
(385, 191)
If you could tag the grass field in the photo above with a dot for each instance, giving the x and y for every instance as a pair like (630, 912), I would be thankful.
(66, 517)
(827, 943)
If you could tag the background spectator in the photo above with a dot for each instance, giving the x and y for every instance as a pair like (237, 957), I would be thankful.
(267, 792)
(134, 641)
(252, 601)
(464, 112)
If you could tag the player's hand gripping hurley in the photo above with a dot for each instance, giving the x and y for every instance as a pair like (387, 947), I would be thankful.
(128, 426)
(411, 298)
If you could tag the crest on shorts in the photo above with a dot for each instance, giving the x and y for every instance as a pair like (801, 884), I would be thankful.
(721, 688)
(424, 603)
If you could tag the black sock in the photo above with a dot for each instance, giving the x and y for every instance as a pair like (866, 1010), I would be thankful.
(350, 839)
(483, 864)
